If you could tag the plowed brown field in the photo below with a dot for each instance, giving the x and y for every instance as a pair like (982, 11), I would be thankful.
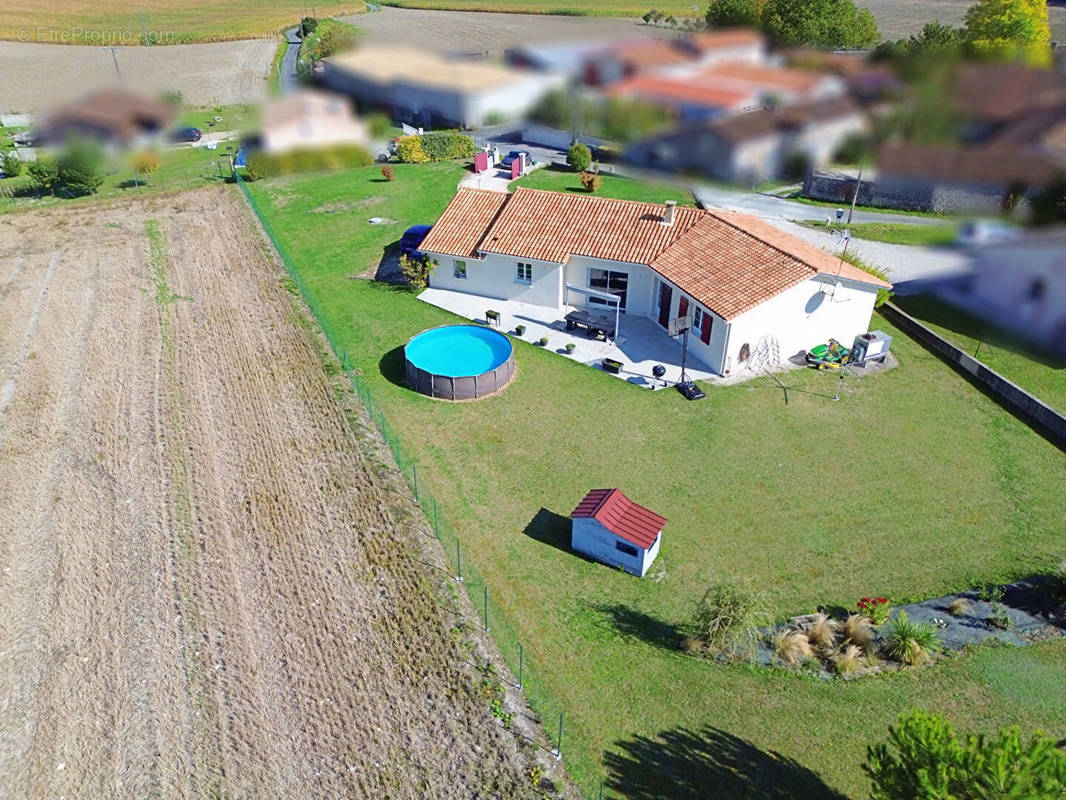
(204, 593)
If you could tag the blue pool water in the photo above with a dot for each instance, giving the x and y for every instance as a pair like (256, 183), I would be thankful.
(458, 351)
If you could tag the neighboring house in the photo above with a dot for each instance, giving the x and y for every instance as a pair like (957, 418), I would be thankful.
(631, 58)
(430, 90)
(1013, 143)
(756, 146)
(728, 88)
(309, 119)
(609, 527)
(749, 287)
(950, 179)
(113, 117)
(1021, 286)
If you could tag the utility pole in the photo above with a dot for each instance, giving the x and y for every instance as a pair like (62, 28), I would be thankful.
(114, 58)
(855, 194)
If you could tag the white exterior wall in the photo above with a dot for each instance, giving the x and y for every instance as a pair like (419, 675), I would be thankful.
(590, 537)
(494, 277)
(713, 353)
(512, 100)
(804, 316)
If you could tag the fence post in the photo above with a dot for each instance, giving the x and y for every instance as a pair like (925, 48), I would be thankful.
(436, 529)
(458, 562)
(559, 749)
(520, 654)
(414, 479)
(486, 588)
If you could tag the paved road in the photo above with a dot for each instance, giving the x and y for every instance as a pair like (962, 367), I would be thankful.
(765, 205)
(289, 81)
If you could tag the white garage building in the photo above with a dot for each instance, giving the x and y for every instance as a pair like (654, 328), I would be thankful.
(748, 286)
(432, 91)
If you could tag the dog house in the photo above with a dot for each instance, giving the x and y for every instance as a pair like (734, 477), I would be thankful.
(609, 527)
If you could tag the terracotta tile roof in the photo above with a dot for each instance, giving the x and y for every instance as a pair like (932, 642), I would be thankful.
(552, 226)
(642, 54)
(669, 91)
(733, 262)
(464, 222)
(725, 261)
(764, 77)
(995, 163)
(621, 516)
(710, 40)
(1000, 92)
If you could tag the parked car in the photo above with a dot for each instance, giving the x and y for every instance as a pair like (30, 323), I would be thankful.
(187, 134)
(412, 239)
(512, 156)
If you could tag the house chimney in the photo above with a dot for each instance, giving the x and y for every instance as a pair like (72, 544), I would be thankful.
(668, 212)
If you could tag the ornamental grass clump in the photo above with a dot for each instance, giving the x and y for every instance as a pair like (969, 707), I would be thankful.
(849, 659)
(858, 632)
(728, 617)
(960, 607)
(823, 632)
(792, 647)
(911, 642)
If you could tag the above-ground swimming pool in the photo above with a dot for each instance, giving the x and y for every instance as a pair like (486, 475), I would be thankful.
(459, 362)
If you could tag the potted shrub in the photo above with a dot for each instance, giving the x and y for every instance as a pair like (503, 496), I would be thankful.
(492, 317)
(612, 366)
(543, 341)
(570, 347)
(519, 330)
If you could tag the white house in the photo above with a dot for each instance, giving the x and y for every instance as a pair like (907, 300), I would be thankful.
(611, 528)
(309, 118)
(749, 287)
(426, 89)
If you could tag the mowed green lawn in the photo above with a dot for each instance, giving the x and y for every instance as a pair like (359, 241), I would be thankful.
(912, 485)
(561, 179)
(1042, 374)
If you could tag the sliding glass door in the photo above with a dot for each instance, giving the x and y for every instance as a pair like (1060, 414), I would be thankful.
(606, 280)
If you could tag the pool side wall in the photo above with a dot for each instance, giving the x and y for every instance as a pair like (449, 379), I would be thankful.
(463, 388)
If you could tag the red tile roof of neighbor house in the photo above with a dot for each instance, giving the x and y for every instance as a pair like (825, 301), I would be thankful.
(682, 90)
(726, 261)
(621, 516)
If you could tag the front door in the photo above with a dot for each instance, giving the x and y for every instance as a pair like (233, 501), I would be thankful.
(666, 295)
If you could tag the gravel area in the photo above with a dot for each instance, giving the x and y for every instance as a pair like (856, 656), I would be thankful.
(38, 76)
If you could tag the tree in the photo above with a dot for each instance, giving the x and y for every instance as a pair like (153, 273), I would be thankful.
(146, 163)
(828, 24)
(11, 164)
(916, 56)
(44, 172)
(308, 25)
(416, 270)
(735, 13)
(1009, 30)
(924, 757)
(578, 157)
(388, 173)
(80, 168)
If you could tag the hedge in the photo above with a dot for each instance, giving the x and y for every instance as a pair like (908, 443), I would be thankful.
(267, 165)
(434, 147)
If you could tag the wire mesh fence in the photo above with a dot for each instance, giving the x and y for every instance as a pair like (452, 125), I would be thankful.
(464, 570)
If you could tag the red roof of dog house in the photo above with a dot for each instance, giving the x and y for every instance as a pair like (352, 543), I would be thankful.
(621, 516)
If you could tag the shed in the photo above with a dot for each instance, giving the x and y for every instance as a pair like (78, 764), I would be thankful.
(611, 528)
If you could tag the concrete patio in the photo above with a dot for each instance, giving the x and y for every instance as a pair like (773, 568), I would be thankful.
(641, 343)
